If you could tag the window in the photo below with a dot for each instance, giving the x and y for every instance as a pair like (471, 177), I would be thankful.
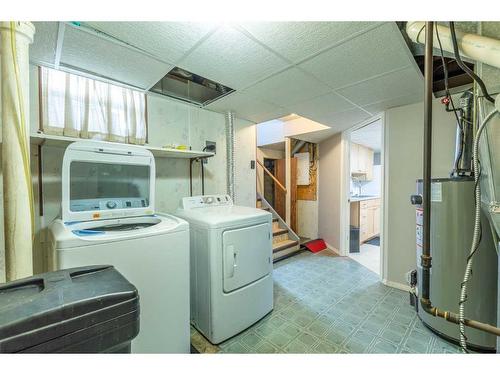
(76, 106)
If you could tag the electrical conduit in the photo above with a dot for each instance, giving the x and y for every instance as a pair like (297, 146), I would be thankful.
(17, 188)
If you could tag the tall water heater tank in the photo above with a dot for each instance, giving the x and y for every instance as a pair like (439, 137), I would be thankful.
(452, 225)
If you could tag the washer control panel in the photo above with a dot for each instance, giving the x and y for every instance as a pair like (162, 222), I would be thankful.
(205, 201)
(79, 205)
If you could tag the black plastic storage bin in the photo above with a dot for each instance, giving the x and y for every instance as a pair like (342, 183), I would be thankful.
(79, 310)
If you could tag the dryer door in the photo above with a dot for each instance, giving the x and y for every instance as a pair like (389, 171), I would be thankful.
(247, 255)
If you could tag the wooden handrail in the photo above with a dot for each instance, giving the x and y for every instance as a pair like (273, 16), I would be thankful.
(272, 176)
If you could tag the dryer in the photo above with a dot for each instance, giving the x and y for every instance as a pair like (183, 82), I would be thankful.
(231, 265)
(108, 217)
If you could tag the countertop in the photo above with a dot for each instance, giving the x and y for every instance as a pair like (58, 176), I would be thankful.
(354, 198)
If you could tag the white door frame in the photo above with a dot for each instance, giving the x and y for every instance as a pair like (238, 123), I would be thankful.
(345, 191)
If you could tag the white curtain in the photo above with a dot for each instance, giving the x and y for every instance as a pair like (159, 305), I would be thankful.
(76, 106)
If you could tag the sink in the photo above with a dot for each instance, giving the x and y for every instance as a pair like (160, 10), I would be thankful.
(363, 196)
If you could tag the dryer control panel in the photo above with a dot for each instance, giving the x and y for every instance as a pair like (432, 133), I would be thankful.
(205, 201)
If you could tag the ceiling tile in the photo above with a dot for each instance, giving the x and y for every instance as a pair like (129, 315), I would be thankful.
(168, 41)
(102, 57)
(342, 120)
(248, 108)
(406, 82)
(297, 40)
(317, 136)
(233, 59)
(369, 136)
(373, 53)
(43, 48)
(321, 106)
(288, 87)
(394, 102)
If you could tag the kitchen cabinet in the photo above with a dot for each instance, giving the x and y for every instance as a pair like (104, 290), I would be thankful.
(365, 214)
(361, 160)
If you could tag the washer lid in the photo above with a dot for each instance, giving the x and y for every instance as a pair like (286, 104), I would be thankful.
(84, 233)
(103, 180)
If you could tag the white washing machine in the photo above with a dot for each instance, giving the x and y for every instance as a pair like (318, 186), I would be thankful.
(231, 265)
(108, 217)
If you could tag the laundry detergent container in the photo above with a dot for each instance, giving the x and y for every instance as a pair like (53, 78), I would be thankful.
(90, 309)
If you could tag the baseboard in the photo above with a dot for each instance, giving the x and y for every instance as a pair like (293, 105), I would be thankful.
(396, 285)
(332, 249)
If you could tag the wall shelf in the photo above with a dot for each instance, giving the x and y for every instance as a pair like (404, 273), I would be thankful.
(159, 152)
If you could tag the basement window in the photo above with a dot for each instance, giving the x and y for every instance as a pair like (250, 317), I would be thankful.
(76, 106)
(183, 85)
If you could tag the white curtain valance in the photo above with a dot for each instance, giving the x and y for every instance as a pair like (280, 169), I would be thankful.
(76, 106)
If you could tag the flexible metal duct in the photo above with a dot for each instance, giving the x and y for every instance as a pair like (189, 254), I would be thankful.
(230, 153)
(464, 136)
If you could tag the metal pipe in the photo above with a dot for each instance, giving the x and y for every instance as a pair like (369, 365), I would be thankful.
(191, 177)
(297, 147)
(230, 153)
(426, 248)
(18, 209)
(202, 177)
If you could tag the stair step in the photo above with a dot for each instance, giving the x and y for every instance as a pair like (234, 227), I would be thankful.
(279, 246)
(287, 253)
(279, 231)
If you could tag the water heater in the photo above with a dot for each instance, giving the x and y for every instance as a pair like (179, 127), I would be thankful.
(452, 208)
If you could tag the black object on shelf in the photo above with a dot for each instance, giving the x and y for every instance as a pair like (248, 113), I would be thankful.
(354, 239)
(91, 309)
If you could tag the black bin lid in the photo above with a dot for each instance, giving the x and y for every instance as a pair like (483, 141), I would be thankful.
(44, 307)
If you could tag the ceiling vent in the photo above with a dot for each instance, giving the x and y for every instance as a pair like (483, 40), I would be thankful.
(183, 85)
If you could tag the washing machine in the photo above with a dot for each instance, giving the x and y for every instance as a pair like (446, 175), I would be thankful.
(231, 265)
(108, 217)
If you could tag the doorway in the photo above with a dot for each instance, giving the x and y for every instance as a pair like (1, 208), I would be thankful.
(364, 200)
(272, 194)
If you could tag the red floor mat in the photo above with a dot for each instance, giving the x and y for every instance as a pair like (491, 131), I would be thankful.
(315, 245)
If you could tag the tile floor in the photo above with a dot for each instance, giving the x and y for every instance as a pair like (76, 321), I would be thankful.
(368, 256)
(330, 304)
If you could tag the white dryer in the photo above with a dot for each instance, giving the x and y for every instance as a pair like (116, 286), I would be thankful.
(108, 218)
(231, 265)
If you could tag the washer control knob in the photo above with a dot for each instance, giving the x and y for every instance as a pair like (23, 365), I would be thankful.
(111, 204)
(209, 200)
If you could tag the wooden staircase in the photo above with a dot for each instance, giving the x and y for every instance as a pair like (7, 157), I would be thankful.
(285, 242)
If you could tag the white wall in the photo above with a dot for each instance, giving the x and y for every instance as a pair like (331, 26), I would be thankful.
(307, 219)
(403, 166)
(372, 187)
(329, 191)
(169, 122)
(270, 132)
(301, 125)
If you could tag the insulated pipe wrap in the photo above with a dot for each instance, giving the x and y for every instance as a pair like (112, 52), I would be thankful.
(230, 153)
(472, 46)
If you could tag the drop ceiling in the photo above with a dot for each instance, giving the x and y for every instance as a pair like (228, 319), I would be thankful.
(334, 73)
(369, 136)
